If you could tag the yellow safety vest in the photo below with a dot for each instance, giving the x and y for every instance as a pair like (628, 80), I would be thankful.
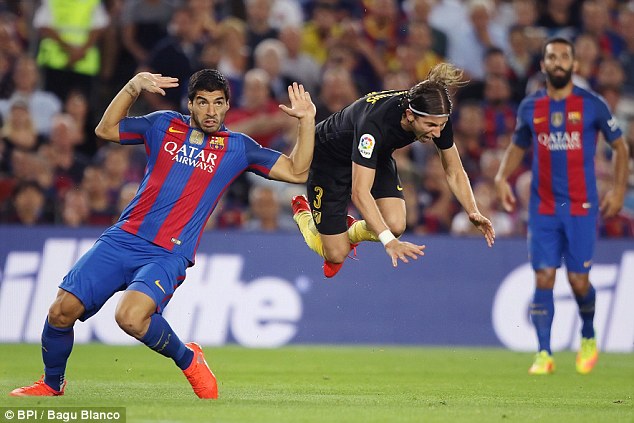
(72, 19)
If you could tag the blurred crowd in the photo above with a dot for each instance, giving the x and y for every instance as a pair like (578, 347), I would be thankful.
(61, 64)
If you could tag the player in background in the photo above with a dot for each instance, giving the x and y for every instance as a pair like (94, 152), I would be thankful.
(561, 124)
(353, 161)
(191, 161)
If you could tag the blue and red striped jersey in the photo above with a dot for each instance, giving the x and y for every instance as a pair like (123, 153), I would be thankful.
(563, 134)
(186, 174)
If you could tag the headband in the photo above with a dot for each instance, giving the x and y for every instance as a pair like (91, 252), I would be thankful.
(419, 113)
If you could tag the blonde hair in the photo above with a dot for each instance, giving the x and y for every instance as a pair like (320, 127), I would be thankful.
(447, 74)
(431, 96)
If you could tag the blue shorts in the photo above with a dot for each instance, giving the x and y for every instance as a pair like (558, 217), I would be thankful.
(552, 237)
(119, 261)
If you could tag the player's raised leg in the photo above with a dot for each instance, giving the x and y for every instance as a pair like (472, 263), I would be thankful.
(333, 248)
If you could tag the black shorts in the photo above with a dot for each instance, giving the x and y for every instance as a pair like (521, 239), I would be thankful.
(330, 187)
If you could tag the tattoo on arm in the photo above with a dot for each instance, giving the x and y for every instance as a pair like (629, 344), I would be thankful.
(131, 90)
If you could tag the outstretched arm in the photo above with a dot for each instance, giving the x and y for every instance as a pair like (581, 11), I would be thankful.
(294, 167)
(459, 184)
(108, 126)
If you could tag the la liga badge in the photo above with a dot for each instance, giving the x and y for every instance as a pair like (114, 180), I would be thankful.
(366, 145)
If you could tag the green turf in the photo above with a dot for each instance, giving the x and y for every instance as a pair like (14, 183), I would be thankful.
(335, 384)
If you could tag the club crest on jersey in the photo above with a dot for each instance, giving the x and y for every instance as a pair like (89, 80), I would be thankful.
(217, 143)
(574, 117)
(366, 145)
(557, 118)
(196, 138)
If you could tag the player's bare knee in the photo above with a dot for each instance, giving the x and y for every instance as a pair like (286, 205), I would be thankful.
(64, 311)
(58, 319)
(579, 283)
(130, 323)
(397, 226)
(545, 278)
(337, 254)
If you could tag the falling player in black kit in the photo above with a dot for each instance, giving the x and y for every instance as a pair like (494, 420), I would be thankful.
(353, 161)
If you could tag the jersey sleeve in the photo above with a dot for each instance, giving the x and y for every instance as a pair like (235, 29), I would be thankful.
(607, 123)
(261, 159)
(132, 130)
(522, 136)
(367, 142)
(445, 140)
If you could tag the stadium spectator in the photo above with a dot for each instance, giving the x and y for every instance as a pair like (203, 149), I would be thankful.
(560, 18)
(561, 124)
(419, 39)
(469, 43)
(203, 12)
(28, 205)
(118, 168)
(234, 53)
(74, 210)
(520, 57)
(178, 55)
(588, 56)
(286, 13)
(595, 20)
(101, 209)
(626, 29)
(469, 136)
(381, 25)
(68, 50)
(43, 104)
(258, 26)
(499, 110)
(270, 56)
(372, 128)
(337, 91)
(319, 31)
(495, 63)
(299, 66)
(258, 113)
(436, 204)
(417, 12)
(146, 253)
(484, 191)
(18, 132)
(78, 107)
(60, 150)
(266, 211)
(143, 24)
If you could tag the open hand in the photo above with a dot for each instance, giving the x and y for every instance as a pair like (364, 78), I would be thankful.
(301, 104)
(153, 82)
(485, 226)
(398, 250)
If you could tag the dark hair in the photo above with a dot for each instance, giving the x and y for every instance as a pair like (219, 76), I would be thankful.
(26, 185)
(431, 95)
(558, 40)
(207, 80)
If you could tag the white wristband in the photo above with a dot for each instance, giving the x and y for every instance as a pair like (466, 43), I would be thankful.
(386, 236)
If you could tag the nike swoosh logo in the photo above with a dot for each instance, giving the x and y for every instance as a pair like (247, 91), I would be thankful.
(172, 130)
(158, 283)
(539, 120)
(400, 188)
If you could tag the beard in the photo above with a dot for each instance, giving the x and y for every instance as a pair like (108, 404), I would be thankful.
(559, 81)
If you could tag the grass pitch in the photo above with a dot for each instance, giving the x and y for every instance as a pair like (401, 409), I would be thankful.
(334, 384)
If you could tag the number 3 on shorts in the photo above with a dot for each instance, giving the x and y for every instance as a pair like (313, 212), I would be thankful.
(319, 192)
